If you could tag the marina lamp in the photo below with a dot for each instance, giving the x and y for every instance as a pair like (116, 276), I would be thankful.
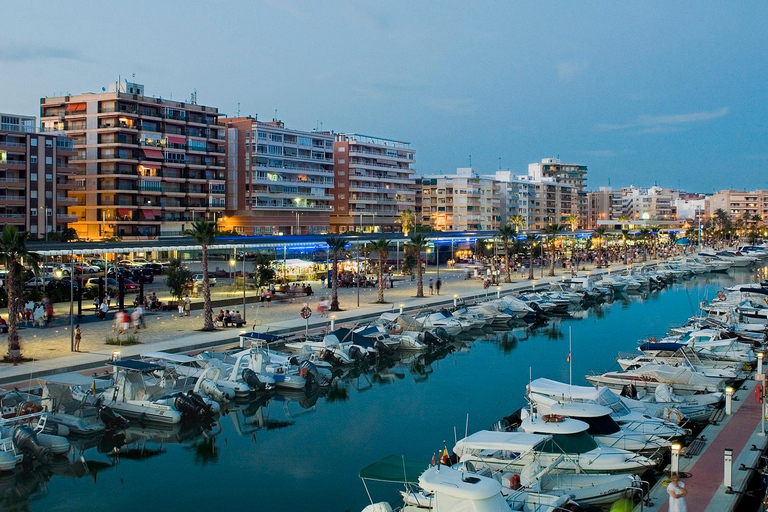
(232, 263)
(401, 308)
(115, 355)
(533, 283)
(455, 300)
(333, 322)
(729, 400)
(675, 461)
(760, 356)
(498, 292)
(58, 274)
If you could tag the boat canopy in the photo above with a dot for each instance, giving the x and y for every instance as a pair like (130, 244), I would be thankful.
(261, 336)
(510, 441)
(580, 410)
(558, 389)
(565, 426)
(570, 443)
(74, 379)
(394, 468)
(137, 366)
(456, 487)
(667, 347)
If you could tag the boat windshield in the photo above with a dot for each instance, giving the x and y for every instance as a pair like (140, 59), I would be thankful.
(600, 425)
(569, 443)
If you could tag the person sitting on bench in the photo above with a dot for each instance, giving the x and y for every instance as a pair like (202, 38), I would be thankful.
(237, 320)
(227, 318)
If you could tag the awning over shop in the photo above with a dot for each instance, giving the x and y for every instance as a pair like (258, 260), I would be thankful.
(76, 107)
(153, 153)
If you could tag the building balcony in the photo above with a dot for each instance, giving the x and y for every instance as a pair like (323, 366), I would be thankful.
(14, 163)
(13, 200)
(66, 218)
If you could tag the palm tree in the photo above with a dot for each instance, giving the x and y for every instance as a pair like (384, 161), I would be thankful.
(507, 233)
(335, 249)
(381, 247)
(645, 234)
(551, 230)
(572, 221)
(518, 221)
(13, 250)
(417, 244)
(625, 233)
(722, 221)
(204, 232)
(407, 221)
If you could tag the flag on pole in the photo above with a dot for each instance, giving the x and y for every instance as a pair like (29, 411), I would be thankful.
(93, 388)
(569, 357)
(433, 458)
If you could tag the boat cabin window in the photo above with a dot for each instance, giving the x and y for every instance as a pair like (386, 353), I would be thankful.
(569, 443)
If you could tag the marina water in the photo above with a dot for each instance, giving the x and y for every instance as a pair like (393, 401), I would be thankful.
(294, 453)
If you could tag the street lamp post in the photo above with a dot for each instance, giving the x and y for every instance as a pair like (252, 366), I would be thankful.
(243, 284)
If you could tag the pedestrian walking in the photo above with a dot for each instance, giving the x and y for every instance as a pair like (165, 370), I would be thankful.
(431, 287)
(438, 284)
(108, 299)
(677, 493)
(187, 305)
(103, 310)
(135, 318)
(140, 310)
(78, 337)
(391, 280)
(269, 298)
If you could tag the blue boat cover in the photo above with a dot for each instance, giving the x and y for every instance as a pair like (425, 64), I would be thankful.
(261, 336)
(670, 347)
(137, 366)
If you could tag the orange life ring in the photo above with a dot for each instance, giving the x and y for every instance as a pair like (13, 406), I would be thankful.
(29, 408)
(552, 418)
(652, 339)
(721, 296)
(670, 412)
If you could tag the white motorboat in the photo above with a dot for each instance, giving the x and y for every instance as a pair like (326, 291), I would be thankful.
(208, 378)
(631, 414)
(513, 306)
(514, 450)
(498, 319)
(439, 319)
(78, 416)
(238, 369)
(684, 381)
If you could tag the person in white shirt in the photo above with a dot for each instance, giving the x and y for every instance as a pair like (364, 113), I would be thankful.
(677, 494)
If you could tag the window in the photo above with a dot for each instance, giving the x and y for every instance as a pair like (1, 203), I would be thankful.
(33, 142)
(48, 194)
(49, 143)
(33, 213)
(33, 176)
(33, 158)
(262, 135)
(275, 150)
(305, 141)
(33, 194)
(49, 177)
(341, 149)
(276, 137)
(49, 160)
(342, 161)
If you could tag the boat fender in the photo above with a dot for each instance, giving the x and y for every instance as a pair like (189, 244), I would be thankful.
(669, 413)
(552, 418)
(721, 296)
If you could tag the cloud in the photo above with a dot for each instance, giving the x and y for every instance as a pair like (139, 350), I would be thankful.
(453, 106)
(646, 124)
(31, 53)
(567, 71)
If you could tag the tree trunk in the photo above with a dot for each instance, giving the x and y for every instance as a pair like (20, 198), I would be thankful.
(335, 284)
(208, 311)
(552, 266)
(419, 274)
(506, 255)
(14, 345)
(530, 265)
(381, 278)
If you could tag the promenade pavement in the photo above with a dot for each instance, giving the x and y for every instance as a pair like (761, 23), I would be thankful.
(50, 347)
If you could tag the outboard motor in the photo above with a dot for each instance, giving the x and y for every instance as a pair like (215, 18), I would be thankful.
(212, 391)
(312, 374)
(443, 335)
(203, 407)
(185, 406)
(330, 357)
(383, 349)
(629, 391)
(251, 378)
(110, 418)
(358, 354)
(26, 441)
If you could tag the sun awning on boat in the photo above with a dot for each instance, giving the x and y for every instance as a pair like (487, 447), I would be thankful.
(394, 468)
(667, 347)
(174, 358)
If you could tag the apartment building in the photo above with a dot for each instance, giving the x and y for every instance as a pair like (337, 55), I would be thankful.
(555, 203)
(647, 203)
(279, 180)
(374, 182)
(518, 196)
(34, 172)
(461, 202)
(737, 203)
(602, 205)
(574, 175)
(146, 166)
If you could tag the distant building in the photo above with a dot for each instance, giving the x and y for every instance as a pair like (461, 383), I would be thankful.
(654, 203)
(34, 173)
(690, 206)
(574, 175)
(461, 202)
(374, 182)
(737, 203)
(603, 204)
(282, 184)
(147, 166)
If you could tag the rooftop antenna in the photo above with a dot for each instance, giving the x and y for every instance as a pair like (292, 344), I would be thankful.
(275, 115)
(470, 161)
(321, 126)
(238, 109)
(193, 97)
(499, 163)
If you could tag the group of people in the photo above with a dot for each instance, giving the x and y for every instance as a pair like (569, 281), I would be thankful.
(124, 320)
(150, 302)
(435, 286)
(38, 313)
(228, 318)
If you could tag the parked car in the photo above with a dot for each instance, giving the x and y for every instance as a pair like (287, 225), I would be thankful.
(101, 264)
(197, 280)
(156, 268)
(118, 271)
(93, 282)
(37, 282)
(142, 275)
(62, 284)
(130, 286)
(84, 268)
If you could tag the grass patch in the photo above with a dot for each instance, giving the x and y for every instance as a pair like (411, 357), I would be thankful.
(130, 339)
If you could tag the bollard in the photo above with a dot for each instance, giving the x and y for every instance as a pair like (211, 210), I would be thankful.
(675, 461)
(729, 400)
(401, 308)
(727, 470)
(760, 356)
(498, 292)
(333, 322)
(455, 300)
